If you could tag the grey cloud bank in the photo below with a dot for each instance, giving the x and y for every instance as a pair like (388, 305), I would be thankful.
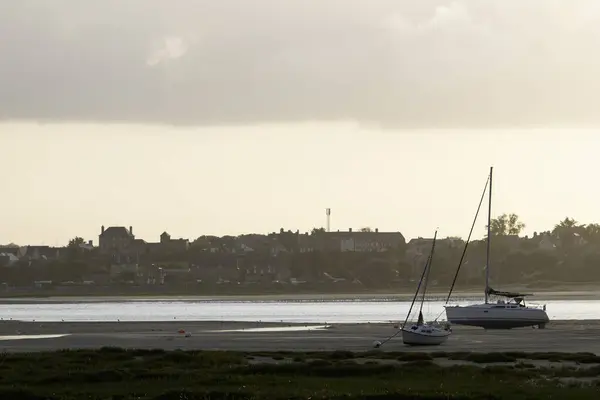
(387, 62)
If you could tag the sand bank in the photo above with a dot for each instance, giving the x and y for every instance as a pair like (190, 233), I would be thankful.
(559, 336)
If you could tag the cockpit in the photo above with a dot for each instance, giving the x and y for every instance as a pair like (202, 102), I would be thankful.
(516, 302)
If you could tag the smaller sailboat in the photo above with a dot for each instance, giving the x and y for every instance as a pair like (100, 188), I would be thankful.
(422, 333)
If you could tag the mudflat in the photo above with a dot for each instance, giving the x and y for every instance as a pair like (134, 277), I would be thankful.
(17, 336)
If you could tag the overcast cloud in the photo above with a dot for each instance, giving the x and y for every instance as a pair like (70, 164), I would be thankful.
(396, 63)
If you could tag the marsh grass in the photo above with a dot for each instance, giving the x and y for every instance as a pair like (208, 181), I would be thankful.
(113, 373)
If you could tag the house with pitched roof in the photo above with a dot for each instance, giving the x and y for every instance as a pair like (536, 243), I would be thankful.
(116, 240)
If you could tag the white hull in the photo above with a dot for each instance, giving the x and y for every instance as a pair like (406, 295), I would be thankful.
(496, 316)
(424, 335)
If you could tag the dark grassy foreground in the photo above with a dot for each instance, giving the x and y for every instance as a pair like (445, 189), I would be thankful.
(156, 374)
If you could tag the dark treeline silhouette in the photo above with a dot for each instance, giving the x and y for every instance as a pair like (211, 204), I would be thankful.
(365, 259)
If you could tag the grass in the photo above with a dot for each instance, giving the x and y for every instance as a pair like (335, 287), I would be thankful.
(113, 373)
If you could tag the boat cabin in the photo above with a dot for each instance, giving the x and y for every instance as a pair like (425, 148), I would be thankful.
(424, 329)
(517, 303)
(513, 302)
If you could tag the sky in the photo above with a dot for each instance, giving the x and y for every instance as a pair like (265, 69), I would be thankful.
(202, 117)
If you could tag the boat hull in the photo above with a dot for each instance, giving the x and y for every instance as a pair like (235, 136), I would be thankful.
(425, 336)
(492, 316)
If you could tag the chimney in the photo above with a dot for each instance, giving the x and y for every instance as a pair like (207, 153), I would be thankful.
(102, 230)
(91, 243)
(376, 230)
(350, 230)
(131, 230)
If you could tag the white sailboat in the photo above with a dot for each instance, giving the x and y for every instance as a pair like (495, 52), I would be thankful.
(422, 333)
(510, 311)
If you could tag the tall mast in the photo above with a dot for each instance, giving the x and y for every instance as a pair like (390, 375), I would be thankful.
(489, 239)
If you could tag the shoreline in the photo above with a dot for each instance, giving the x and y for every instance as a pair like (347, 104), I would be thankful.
(205, 324)
(538, 295)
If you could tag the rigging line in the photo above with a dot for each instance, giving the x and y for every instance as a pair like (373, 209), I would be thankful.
(462, 257)
(391, 337)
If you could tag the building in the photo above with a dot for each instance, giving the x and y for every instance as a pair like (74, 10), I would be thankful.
(360, 241)
(121, 244)
(173, 245)
(116, 240)
(89, 246)
(35, 253)
(10, 249)
(164, 245)
(306, 243)
(8, 259)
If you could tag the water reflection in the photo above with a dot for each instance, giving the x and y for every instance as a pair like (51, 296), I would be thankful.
(315, 312)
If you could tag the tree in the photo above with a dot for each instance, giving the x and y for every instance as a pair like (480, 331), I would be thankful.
(592, 233)
(567, 225)
(366, 229)
(228, 242)
(567, 231)
(506, 224)
(75, 242)
(205, 242)
(317, 231)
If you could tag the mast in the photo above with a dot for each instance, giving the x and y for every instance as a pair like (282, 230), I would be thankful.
(489, 239)
(427, 263)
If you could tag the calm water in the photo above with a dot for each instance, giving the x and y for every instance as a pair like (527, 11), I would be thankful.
(274, 311)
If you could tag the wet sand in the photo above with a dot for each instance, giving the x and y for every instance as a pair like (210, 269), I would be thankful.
(15, 336)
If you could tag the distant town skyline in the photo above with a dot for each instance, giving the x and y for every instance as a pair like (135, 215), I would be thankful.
(74, 178)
